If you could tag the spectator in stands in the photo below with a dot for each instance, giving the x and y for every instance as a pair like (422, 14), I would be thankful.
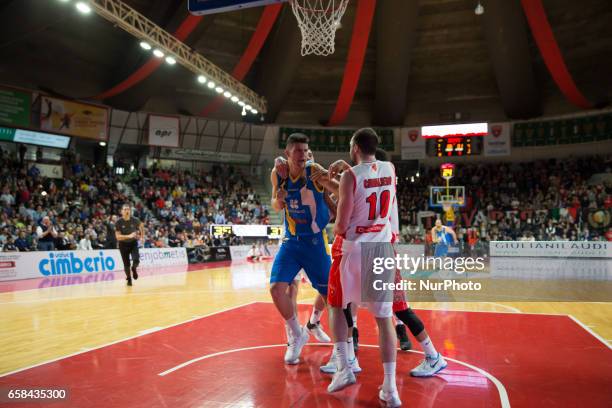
(22, 243)
(85, 243)
(9, 246)
(46, 235)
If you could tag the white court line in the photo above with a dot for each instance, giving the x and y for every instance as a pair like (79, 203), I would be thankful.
(585, 327)
(124, 339)
(503, 394)
(512, 308)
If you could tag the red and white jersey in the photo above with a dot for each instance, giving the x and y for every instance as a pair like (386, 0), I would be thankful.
(374, 217)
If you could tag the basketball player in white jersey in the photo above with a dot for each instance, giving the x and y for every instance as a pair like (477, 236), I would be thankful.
(366, 207)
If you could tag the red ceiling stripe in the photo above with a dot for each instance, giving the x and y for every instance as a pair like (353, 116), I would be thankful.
(266, 22)
(186, 27)
(354, 62)
(549, 49)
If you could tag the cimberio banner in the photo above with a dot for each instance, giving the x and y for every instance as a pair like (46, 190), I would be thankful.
(15, 107)
(74, 118)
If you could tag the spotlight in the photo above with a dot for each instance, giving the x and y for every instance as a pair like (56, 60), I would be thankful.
(202, 79)
(418, 174)
(479, 10)
(102, 144)
(241, 103)
(254, 111)
(83, 7)
(211, 84)
(145, 45)
(227, 94)
(235, 98)
(243, 111)
(158, 53)
(248, 107)
(170, 60)
(219, 89)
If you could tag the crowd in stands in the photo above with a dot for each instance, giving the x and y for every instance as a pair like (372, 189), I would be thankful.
(543, 200)
(78, 210)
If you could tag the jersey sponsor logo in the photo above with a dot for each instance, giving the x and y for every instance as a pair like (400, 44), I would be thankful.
(294, 204)
(377, 182)
(369, 228)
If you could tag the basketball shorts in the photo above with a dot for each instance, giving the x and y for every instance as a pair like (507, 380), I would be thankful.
(345, 282)
(441, 249)
(310, 254)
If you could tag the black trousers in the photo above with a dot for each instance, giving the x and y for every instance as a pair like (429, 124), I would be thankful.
(126, 249)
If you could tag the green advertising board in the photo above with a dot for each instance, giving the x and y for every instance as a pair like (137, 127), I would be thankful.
(7, 134)
(15, 107)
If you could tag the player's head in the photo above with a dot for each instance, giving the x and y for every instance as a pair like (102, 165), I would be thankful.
(381, 155)
(363, 144)
(296, 150)
(126, 210)
(438, 223)
(310, 155)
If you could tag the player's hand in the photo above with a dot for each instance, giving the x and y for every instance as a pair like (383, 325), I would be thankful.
(318, 173)
(337, 167)
(281, 167)
(133, 235)
(281, 194)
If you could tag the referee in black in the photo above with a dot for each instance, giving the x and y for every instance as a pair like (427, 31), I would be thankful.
(128, 231)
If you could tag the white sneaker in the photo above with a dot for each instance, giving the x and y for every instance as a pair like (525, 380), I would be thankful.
(317, 331)
(294, 348)
(331, 367)
(429, 366)
(341, 380)
(390, 397)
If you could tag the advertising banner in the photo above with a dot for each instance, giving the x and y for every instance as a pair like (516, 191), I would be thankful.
(41, 264)
(15, 107)
(559, 249)
(164, 131)
(497, 142)
(203, 155)
(74, 118)
(412, 144)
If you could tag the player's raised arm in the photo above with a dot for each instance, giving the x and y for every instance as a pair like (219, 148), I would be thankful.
(345, 203)
(278, 194)
(321, 178)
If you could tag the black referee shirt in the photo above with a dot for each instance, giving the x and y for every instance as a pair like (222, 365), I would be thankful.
(124, 227)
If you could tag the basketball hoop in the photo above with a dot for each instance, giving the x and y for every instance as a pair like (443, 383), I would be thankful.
(318, 21)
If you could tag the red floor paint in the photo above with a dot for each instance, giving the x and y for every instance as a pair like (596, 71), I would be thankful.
(541, 360)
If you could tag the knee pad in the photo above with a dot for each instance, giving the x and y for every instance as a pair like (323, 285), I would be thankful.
(348, 315)
(411, 320)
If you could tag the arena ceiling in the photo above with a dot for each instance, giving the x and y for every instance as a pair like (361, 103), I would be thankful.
(425, 61)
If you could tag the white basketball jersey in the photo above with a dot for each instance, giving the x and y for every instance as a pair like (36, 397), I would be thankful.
(374, 217)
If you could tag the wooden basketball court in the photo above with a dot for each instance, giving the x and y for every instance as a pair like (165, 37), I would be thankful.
(210, 337)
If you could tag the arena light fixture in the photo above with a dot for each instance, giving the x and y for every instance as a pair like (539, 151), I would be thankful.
(83, 7)
(211, 84)
(248, 107)
(479, 10)
(227, 94)
(254, 111)
(235, 99)
(145, 45)
(158, 53)
(102, 144)
(219, 89)
(241, 103)
(201, 79)
(243, 113)
(170, 60)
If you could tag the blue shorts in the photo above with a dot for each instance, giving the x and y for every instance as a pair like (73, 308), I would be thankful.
(310, 254)
(441, 250)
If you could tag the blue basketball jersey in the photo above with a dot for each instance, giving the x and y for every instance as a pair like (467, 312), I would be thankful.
(306, 212)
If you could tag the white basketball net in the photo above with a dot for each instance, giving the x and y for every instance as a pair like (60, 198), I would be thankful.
(318, 21)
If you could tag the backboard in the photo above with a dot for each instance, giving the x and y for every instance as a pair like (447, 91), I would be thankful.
(441, 195)
(201, 7)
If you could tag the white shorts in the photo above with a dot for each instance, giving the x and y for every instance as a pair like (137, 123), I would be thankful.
(350, 272)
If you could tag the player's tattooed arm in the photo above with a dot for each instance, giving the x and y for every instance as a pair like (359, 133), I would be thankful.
(320, 177)
(278, 193)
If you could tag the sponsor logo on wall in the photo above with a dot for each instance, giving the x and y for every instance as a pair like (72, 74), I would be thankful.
(567, 249)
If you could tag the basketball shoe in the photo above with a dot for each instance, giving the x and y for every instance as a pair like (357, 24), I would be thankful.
(390, 397)
(341, 379)
(429, 366)
(317, 331)
(295, 346)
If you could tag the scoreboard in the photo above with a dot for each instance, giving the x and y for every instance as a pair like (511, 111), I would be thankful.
(454, 140)
(254, 231)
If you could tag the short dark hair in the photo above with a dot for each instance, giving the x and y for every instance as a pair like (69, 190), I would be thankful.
(367, 140)
(381, 155)
(126, 205)
(296, 138)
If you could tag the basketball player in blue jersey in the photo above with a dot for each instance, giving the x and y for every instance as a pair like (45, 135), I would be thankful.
(442, 236)
(305, 245)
